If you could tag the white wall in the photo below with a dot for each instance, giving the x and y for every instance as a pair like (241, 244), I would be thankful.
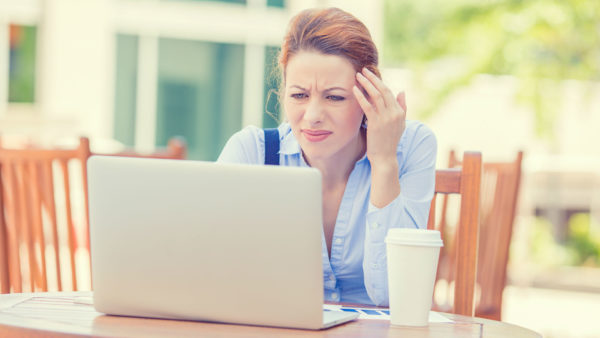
(75, 68)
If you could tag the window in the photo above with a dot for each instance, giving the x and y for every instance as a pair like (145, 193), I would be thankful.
(276, 3)
(21, 62)
(126, 89)
(271, 115)
(200, 94)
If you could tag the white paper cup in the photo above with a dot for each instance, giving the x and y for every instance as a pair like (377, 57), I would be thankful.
(412, 257)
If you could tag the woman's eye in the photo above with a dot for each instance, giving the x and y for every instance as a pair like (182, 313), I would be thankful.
(299, 96)
(336, 98)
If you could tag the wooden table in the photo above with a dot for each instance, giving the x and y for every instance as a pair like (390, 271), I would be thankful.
(70, 314)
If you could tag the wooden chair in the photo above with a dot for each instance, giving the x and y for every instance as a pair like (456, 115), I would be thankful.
(4, 280)
(499, 194)
(35, 219)
(43, 204)
(458, 257)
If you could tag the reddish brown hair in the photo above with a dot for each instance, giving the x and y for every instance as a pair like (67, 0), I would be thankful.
(330, 31)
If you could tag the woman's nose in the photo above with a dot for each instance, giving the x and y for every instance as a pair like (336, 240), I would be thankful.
(314, 112)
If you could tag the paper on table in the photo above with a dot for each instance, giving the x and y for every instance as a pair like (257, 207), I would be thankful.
(382, 314)
(86, 300)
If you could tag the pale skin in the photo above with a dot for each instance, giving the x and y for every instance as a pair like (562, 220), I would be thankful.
(325, 106)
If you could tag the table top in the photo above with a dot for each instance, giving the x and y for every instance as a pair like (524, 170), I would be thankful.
(71, 314)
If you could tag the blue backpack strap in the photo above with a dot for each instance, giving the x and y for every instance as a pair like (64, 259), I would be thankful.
(271, 146)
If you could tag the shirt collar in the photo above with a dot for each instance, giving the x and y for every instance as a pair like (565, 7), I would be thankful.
(289, 145)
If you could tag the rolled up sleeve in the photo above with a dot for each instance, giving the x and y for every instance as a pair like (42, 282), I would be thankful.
(410, 209)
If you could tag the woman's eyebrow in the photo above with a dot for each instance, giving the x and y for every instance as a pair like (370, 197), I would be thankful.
(335, 88)
(326, 90)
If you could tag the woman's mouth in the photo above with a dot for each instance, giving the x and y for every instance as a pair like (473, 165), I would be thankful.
(313, 135)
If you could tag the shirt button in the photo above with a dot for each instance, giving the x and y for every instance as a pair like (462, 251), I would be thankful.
(375, 265)
(375, 225)
(338, 241)
(331, 277)
(334, 295)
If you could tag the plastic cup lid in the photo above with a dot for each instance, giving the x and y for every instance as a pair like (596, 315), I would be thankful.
(410, 236)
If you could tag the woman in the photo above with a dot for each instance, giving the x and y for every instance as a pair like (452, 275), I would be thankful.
(378, 169)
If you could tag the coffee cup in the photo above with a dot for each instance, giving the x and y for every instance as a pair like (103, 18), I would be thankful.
(412, 258)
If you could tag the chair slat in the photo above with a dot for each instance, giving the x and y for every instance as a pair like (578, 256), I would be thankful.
(37, 226)
(431, 219)
(84, 148)
(25, 222)
(496, 233)
(4, 276)
(458, 257)
(51, 209)
(70, 225)
(11, 201)
(467, 235)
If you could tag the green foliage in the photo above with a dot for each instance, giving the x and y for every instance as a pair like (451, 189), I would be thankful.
(538, 41)
(22, 65)
(582, 247)
(544, 249)
(584, 243)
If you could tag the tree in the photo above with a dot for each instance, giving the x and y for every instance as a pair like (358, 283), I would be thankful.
(541, 42)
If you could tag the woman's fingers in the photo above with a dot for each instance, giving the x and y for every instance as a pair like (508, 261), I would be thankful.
(386, 93)
(375, 96)
(366, 106)
(401, 98)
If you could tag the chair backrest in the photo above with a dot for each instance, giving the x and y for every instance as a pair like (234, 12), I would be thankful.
(36, 220)
(43, 208)
(499, 195)
(458, 257)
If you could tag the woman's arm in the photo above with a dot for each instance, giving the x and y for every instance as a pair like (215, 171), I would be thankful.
(386, 118)
(417, 154)
(398, 197)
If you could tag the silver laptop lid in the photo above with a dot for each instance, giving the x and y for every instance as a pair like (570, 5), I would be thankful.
(205, 241)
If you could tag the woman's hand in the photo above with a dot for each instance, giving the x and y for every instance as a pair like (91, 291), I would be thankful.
(386, 120)
(386, 117)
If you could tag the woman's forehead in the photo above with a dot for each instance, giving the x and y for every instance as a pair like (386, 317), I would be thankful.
(308, 69)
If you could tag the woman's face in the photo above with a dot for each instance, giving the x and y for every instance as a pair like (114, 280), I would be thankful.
(318, 102)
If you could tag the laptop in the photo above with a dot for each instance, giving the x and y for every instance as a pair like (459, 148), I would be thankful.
(206, 241)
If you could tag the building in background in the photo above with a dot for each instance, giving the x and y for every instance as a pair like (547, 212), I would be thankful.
(140, 72)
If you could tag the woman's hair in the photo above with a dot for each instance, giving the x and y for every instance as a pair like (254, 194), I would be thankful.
(329, 31)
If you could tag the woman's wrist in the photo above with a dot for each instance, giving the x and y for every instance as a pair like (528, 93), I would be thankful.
(385, 183)
(387, 166)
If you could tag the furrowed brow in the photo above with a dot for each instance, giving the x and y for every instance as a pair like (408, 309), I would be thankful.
(335, 88)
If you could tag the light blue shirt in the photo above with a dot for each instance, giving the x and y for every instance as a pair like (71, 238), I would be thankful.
(357, 270)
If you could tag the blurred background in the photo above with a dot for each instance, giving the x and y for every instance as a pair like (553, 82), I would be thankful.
(494, 76)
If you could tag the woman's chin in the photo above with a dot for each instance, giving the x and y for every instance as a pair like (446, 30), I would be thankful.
(313, 152)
